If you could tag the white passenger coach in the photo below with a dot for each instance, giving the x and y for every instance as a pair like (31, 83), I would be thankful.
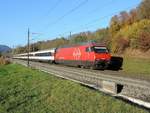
(43, 55)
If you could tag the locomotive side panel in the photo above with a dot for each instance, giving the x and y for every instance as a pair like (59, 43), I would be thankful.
(68, 56)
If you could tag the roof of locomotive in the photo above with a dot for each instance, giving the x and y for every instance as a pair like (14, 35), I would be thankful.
(83, 44)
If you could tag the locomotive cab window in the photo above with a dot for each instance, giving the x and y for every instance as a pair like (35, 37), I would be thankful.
(100, 50)
(88, 49)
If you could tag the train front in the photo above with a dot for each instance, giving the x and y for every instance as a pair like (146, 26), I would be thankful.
(102, 57)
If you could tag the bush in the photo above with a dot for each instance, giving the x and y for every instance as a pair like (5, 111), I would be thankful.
(122, 44)
(4, 61)
(144, 41)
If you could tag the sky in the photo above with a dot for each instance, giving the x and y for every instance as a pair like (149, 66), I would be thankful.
(48, 19)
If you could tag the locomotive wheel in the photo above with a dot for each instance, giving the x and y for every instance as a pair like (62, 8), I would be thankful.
(82, 67)
(92, 67)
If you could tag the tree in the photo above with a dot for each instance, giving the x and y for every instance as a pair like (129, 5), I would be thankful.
(102, 35)
(133, 16)
(124, 18)
(137, 35)
(144, 41)
(79, 39)
(114, 25)
(144, 10)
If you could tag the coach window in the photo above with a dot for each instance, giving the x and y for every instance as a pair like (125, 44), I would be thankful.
(52, 54)
(49, 54)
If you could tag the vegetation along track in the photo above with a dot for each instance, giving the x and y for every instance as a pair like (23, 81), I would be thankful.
(134, 90)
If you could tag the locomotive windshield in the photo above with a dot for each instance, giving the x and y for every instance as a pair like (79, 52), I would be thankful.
(100, 49)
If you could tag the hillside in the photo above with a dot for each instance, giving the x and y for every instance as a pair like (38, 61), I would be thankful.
(4, 48)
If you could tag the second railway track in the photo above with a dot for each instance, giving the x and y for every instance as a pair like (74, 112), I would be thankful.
(134, 90)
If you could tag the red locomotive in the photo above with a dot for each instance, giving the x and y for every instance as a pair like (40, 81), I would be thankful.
(92, 55)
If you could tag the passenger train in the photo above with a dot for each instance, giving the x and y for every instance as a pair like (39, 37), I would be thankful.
(44, 55)
(86, 55)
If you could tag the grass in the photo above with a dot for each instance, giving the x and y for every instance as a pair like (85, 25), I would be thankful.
(24, 90)
(137, 66)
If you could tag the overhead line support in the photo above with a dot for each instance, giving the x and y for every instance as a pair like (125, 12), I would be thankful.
(28, 47)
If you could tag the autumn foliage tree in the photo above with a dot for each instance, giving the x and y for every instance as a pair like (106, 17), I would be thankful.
(144, 10)
(135, 33)
(144, 41)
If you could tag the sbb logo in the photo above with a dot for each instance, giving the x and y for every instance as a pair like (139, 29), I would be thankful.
(77, 54)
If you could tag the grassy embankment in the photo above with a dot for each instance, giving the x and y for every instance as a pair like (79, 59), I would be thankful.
(139, 67)
(24, 90)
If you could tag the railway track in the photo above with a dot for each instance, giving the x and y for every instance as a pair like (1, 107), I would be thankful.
(134, 90)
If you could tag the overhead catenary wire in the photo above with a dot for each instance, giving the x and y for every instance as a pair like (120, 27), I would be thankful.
(48, 13)
(76, 8)
(67, 13)
(53, 7)
(99, 8)
(90, 23)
